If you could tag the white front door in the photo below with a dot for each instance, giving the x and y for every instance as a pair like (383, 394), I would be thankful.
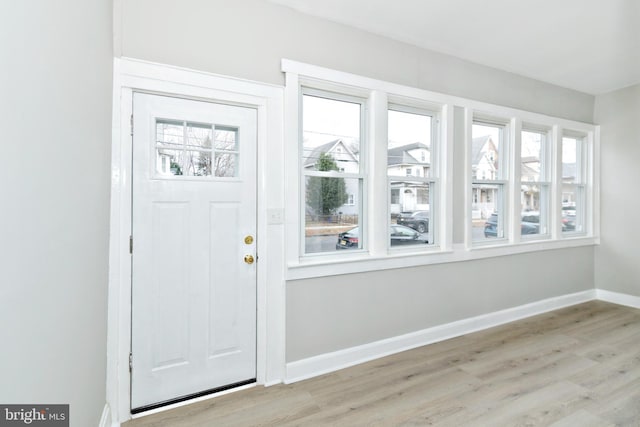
(193, 228)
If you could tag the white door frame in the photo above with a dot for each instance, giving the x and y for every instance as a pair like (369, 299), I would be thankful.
(132, 75)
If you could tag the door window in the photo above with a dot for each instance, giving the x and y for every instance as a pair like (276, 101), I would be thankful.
(195, 149)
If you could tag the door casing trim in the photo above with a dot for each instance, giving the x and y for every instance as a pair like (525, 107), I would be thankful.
(132, 75)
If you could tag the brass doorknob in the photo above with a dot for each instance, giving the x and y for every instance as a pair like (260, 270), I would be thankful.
(248, 259)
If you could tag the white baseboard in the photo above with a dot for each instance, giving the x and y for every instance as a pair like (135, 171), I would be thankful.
(329, 362)
(618, 298)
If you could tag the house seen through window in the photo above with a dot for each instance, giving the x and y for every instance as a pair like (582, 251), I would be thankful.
(488, 182)
(535, 185)
(332, 173)
(409, 151)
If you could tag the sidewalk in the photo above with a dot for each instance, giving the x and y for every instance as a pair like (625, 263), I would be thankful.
(327, 230)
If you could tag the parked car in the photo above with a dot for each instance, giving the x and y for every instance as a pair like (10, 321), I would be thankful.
(398, 234)
(349, 239)
(568, 222)
(418, 220)
(491, 226)
(568, 218)
(530, 224)
(403, 216)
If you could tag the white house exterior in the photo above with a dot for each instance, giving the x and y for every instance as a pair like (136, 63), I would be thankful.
(484, 167)
(530, 194)
(347, 162)
(403, 163)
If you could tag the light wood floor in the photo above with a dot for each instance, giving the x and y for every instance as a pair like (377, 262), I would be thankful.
(579, 366)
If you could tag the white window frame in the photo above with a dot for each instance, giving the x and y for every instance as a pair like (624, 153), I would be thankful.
(432, 180)
(580, 187)
(378, 95)
(378, 256)
(545, 181)
(361, 176)
(504, 178)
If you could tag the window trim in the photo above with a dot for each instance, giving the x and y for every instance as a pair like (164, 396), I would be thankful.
(584, 154)
(361, 176)
(433, 180)
(546, 159)
(382, 92)
(503, 179)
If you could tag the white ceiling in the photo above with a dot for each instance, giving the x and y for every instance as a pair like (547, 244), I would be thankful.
(589, 45)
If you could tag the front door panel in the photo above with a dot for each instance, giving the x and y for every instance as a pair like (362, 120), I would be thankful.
(193, 294)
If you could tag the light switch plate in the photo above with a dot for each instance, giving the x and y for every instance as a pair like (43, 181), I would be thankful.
(275, 216)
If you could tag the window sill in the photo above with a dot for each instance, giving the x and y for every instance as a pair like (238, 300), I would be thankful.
(363, 262)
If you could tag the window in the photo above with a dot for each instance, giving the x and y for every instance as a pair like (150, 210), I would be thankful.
(574, 180)
(332, 174)
(423, 195)
(395, 200)
(195, 149)
(535, 184)
(411, 135)
(374, 184)
(489, 181)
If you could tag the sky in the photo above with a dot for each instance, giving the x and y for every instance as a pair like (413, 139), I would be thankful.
(325, 120)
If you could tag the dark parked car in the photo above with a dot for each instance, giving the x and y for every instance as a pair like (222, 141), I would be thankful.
(491, 226)
(568, 218)
(568, 223)
(418, 220)
(399, 235)
(530, 224)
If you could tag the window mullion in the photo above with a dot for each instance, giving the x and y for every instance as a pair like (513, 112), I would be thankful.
(377, 205)
(332, 174)
(514, 207)
(555, 210)
(491, 181)
(468, 181)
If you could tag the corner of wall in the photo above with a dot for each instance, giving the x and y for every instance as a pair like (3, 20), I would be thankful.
(105, 419)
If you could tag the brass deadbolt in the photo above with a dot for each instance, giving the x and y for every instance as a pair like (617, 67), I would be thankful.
(248, 240)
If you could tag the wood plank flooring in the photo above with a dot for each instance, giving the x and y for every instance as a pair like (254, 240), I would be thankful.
(578, 366)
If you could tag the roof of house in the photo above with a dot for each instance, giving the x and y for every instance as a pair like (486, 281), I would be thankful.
(530, 167)
(400, 155)
(477, 146)
(529, 171)
(569, 170)
(328, 147)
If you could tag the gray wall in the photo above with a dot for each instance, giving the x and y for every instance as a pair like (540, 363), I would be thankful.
(55, 104)
(329, 314)
(616, 259)
(247, 39)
